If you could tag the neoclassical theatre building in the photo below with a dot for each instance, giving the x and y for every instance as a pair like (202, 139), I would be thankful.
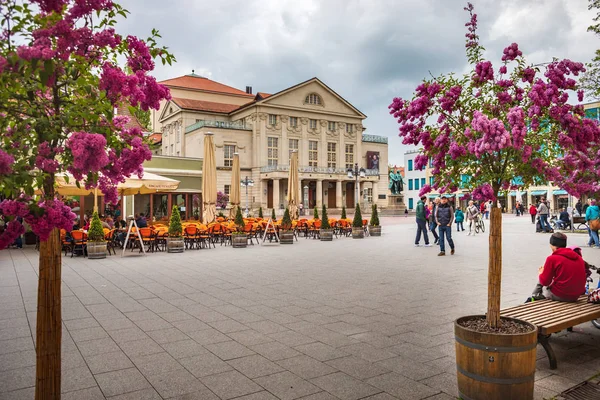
(325, 129)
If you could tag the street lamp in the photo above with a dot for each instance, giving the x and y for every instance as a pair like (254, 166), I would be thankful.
(247, 182)
(305, 200)
(356, 173)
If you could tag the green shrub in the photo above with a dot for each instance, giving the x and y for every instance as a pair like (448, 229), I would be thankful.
(325, 222)
(357, 221)
(175, 223)
(344, 212)
(316, 213)
(239, 220)
(260, 212)
(273, 216)
(286, 221)
(374, 216)
(96, 232)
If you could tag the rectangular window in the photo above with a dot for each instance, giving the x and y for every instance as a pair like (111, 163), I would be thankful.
(431, 181)
(410, 184)
(331, 155)
(294, 122)
(228, 151)
(423, 180)
(272, 151)
(410, 165)
(417, 184)
(312, 124)
(349, 128)
(313, 153)
(349, 155)
(369, 193)
(431, 163)
(227, 189)
(178, 136)
(293, 145)
(272, 119)
(410, 204)
(331, 125)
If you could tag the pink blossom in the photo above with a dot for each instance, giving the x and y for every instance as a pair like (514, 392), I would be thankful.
(88, 152)
(580, 95)
(483, 72)
(421, 162)
(12, 231)
(6, 162)
(502, 69)
(528, 75)
(484, 193)
(424, 190)
(511, 52)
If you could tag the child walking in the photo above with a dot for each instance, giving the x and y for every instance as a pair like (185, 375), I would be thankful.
(459, 217)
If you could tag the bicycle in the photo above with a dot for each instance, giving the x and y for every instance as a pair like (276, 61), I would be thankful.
(479, 225)
(589, 281)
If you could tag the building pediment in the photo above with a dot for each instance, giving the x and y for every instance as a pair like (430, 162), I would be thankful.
(169, 109)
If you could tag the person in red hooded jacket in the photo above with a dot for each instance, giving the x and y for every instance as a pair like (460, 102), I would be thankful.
(563, 276)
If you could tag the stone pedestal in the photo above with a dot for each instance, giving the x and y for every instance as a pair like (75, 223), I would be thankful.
(395, 205)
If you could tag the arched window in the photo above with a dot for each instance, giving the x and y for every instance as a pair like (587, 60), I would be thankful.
(313, 98)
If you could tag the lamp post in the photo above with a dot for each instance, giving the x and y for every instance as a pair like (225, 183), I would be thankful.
(356, 173)
(247, 182)
(305, 199)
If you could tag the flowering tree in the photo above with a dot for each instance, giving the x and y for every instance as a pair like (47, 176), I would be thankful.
(494, 126)
(222, 200)
(61, 82)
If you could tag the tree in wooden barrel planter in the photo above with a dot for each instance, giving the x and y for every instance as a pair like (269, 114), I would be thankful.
(374, 227)
(343, 213)
(273, 216)
(326, 231)
(286, 234)
(315, 213)
(96, 244)
(500, 129)
(260, 212)
(358, 232)
(239, 238)
(175, 241)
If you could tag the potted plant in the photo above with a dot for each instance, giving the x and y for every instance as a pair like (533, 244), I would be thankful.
(96, 245)
(273, 216)
(326, 233)
(358, 232)
(286, 235)
(316, 213)
(239, 238)
(343, 213)
(260, 212)
(374, 227)
(490, 129)
(175, 242)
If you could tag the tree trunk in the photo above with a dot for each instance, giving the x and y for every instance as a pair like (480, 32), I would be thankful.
(495, 267)
(49, 328)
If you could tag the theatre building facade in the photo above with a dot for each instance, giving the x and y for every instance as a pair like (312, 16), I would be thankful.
(264, 129)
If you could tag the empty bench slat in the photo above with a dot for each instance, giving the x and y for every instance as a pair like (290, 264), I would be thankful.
(545, 309)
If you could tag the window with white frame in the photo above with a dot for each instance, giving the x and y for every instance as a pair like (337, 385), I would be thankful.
(331, 125)
(369, 195)
(331, 155)
(313, 153)
(349, 128)
(293, 145)
(228, 151)
(227, 189)
(272, 151)
(294, 122)
(349, 155)
(313, 98)
(312, 124)
(272, 119)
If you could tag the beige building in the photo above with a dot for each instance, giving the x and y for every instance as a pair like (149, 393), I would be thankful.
(311, 118)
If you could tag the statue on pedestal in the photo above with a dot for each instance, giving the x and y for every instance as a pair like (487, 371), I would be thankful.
(396, 184)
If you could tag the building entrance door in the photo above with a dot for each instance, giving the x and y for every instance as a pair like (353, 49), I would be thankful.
(331, 195)
(270, 194)
(350, 203)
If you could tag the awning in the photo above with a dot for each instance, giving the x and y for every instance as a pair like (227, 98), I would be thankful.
(433, 196)
(539, 192)
(515, 193)
(449, 196)
(558, 192)
(461, 195)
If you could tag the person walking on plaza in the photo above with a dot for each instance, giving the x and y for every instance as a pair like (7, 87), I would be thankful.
(518, 209)
(578, 207)
(421, 223)
(543, 211)
(533, 213)
(444, 216)
(459, 217)
(432, 223)
(472, 215)
(592, 213)
(488, 208)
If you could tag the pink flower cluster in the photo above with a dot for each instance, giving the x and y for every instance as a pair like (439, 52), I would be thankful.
(424, 190)
(6, 162)
(484, 193)
(484, 71)
(140, 59)
(421, 161)
(450, 97)
(516, 119)
(511, 52)
(55, 215)
(495, 136)
(45, 160)
(89, 154)
(471, 35)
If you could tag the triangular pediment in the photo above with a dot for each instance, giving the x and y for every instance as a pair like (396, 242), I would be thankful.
(296, 96)
(169, 109)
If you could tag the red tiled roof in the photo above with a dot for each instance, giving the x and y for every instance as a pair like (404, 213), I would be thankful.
(200, 105)
(202, 83)
(263, 95)
(156, 138)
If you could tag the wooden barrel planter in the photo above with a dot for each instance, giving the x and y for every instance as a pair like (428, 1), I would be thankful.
(326, 235)
(286, 237)
(175, 244)
(495, 366)
(96, 250)
(239, 241)
(358, 233)
(374, 230)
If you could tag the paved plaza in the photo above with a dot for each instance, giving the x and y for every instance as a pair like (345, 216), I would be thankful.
(348, 319)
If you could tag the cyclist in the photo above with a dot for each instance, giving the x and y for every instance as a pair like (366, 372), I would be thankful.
(473, 216)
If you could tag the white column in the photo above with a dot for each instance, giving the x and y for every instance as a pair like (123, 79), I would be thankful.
(509, 203)
(276, 189)
(319, 194)
(338, 194)
(376, 192)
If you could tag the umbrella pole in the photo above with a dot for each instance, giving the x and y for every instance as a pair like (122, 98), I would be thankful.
(95, 199)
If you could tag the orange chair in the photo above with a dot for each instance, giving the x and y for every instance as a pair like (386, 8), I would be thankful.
(79, 242)
(191, 237)
(65, 242)
(110, 241)
(148, 239)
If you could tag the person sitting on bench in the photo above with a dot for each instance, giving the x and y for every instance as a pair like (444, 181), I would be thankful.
(563, 276)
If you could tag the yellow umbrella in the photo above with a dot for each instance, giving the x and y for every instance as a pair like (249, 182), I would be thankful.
(234, 194)
(293, 186)
(209, 180)
(148, 183)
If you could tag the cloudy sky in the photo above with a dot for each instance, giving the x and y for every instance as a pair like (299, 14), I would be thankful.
(369, 51)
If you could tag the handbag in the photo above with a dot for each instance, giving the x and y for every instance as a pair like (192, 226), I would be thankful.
(594, 296)
(594, 224)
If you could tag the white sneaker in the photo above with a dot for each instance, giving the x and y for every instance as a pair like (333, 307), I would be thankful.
(469, 234)
(417, 245)
(428, 245)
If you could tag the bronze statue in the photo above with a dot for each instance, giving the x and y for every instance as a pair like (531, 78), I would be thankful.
(396, 184)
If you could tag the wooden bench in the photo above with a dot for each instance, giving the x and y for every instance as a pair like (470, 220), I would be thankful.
(552, 317)
(579, 223)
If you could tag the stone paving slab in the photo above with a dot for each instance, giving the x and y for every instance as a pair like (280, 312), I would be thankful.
(348, 319)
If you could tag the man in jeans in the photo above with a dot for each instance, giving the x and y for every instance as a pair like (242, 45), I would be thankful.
(432, 223)
(421, 223)
(444, 216)
(543, 213)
